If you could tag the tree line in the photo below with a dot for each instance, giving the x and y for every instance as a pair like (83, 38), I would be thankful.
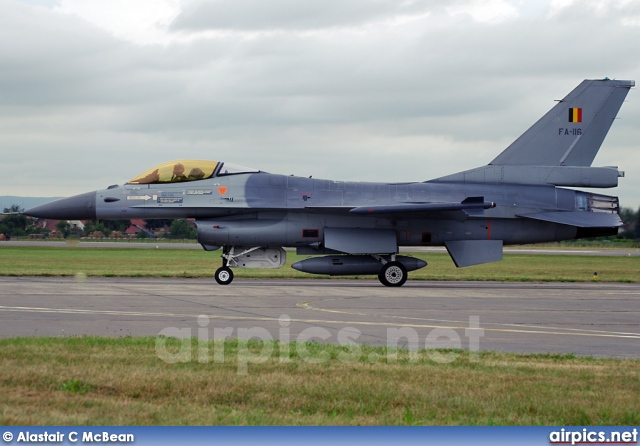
(16, 224)
(631, 220)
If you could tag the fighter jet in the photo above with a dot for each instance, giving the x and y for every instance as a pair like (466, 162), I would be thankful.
(357, 228)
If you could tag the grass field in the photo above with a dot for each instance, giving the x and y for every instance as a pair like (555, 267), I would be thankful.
(100, 381)
(123, 381)
(131, 262)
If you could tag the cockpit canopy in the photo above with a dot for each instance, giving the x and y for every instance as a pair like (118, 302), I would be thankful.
(188, 170)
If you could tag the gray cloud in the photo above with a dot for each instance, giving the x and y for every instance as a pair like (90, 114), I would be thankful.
(293, 14)
(360, 97)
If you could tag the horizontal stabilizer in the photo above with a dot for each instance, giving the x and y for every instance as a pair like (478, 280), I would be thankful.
(580, 219)
(474, 252)
(471, 203)
(571, 176)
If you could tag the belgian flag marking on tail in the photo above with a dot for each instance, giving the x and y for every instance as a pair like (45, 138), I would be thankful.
(575, 115)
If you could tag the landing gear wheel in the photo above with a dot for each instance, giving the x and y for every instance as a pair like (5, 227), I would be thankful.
(393, 274)
(224, 275)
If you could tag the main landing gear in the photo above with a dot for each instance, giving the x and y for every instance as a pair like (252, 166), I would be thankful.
(393, 274)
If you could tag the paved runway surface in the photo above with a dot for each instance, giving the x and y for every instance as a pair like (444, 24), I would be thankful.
(598, 319)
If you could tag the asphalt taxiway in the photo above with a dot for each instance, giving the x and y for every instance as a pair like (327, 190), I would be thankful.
(600, 319)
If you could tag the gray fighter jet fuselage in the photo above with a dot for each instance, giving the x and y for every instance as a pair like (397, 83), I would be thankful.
(358, 227)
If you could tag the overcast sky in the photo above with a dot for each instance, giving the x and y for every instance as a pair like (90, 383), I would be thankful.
(93, 92)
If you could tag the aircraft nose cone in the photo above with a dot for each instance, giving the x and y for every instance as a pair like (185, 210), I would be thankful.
(78, 207)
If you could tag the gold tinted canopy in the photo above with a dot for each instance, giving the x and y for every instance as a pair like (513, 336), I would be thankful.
(177, 171)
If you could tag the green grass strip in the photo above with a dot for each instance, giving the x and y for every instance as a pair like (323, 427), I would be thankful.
(130, 262)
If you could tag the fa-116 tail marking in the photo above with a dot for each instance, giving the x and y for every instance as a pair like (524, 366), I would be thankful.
(357, 228)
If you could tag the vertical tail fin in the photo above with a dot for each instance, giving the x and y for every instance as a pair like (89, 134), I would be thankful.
(571, 133)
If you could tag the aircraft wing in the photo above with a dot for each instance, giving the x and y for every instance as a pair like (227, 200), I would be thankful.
(469, 205)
